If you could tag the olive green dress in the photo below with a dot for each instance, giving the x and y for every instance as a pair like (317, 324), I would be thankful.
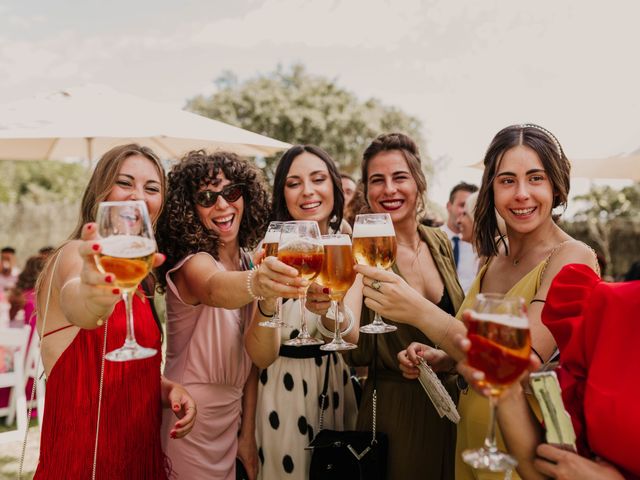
(421, 444)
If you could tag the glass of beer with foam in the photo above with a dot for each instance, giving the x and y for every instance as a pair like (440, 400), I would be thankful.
(127, 250)
(500, 347)
(338, 275)
(374, 244)
(301, 247)
(270, 249)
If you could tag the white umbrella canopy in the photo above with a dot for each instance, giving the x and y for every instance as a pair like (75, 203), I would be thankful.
(623, 166)
(88, 121)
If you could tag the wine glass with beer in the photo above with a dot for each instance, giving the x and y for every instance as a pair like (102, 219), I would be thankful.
(301, 247)
(127, 250)
(498, 330)
(270, 249)
(338, 275)
(374, 244)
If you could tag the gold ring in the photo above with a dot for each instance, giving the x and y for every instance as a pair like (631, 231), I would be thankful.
(376, 285)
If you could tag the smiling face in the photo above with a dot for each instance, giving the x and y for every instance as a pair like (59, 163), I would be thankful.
(223, 217)
(522, 191)
(308, 190)
(138, 179)
(390, 186)
(465, 226)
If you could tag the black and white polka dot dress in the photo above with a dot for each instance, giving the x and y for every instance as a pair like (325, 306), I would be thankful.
(288, 406)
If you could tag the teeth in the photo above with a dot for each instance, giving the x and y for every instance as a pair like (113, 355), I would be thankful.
(228, 218)
(307, 206)
(393, 203)
(523, 211)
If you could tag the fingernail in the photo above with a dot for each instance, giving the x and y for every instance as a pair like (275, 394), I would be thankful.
(90, 227)
(326, 290)
(108, 279)
(116, 291)
(173, 434)
(478, 375)
(95, 247)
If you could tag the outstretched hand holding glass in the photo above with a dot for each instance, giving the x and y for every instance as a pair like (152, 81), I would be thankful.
(127, 251)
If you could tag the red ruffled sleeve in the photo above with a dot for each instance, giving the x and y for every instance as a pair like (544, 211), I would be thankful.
(597, 329)
(563, 316)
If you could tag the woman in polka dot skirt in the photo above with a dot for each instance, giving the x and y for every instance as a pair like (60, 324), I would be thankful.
(307, 186)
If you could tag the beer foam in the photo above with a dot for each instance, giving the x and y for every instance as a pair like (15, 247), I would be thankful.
(297, 244)
(362, 230)
(506, 320)
(271, 237)
(127, 246)
(337, 241)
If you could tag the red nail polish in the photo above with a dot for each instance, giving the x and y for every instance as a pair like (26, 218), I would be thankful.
(326, 290)
(173, 434)
(164, 257)
(95, 247)
(108, 279)
(90, 227)
(116, 291)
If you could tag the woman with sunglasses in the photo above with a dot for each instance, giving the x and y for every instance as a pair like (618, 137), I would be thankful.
(216, 207)
(80, 316)
(307, 186)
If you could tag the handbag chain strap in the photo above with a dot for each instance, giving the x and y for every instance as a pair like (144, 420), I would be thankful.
(374, 400)
(324, 398)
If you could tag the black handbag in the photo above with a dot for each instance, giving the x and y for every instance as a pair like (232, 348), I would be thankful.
(348, 455)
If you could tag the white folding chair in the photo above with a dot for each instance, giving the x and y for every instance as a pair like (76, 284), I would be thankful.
(33, 366)
(16, 339)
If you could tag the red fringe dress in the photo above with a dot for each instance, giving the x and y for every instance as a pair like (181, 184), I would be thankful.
(131, 412)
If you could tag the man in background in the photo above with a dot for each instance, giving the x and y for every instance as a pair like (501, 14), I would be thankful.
(463, 254)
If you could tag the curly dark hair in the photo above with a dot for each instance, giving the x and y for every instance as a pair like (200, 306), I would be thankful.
(180, 231)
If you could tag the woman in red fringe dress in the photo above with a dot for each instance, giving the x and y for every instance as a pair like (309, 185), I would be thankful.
(83, 313)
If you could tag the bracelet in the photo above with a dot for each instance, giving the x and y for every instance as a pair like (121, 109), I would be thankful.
(249, 289)
(264, 314)
(328, 333)
(446, 332)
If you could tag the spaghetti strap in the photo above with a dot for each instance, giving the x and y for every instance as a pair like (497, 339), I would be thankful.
(57, 330)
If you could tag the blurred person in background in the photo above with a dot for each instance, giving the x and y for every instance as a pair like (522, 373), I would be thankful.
(349, 186)
(463, 255)
(8, 269)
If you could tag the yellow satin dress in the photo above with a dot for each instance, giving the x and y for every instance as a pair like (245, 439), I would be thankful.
(474, 408)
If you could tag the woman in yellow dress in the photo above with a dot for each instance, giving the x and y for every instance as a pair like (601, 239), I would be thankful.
(526, 176)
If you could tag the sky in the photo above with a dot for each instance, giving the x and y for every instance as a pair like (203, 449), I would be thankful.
(466, 68)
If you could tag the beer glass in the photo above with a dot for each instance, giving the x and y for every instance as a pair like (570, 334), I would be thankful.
(301, 247)
(127, 250)
(500, 347)
(270, 248)
(338, 275)
(374, 244)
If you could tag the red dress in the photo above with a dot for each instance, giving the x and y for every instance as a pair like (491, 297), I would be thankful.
(131, 412)
(597, 328)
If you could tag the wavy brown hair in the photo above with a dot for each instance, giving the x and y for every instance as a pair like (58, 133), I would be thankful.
(554, 161)
(180, 231)
(409, 149)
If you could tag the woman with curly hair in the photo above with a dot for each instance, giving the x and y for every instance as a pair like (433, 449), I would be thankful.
(217, 206)
(307, 186)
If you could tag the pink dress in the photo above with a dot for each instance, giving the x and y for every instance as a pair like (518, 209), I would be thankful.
(205, 353)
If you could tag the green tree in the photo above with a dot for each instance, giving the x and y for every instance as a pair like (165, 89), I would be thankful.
(297, 107)
(602, 207)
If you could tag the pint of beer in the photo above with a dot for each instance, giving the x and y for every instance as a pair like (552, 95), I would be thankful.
(500, 341)
(337, 268)
(129, 257)
(374, 244)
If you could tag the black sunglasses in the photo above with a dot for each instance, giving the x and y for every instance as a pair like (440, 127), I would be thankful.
(231, 193)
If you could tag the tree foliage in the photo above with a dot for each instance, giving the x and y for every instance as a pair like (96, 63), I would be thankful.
(297, 107)
(40, 181)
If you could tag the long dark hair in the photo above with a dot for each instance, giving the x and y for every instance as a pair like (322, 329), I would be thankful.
(180, 231)
(279, 205)
(556, 165)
